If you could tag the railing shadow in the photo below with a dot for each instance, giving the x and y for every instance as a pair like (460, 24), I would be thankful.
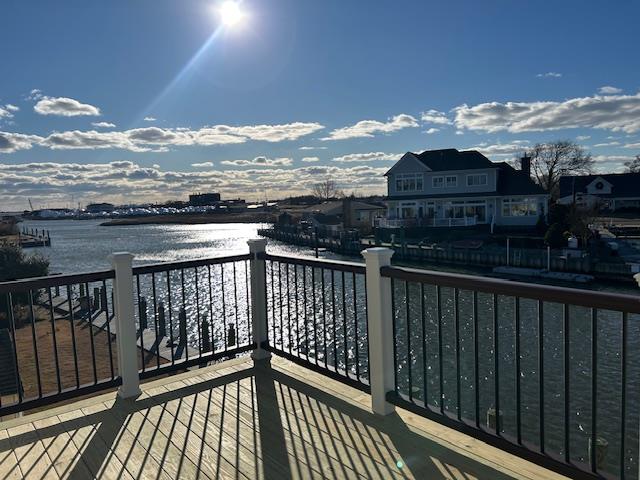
(257, 422)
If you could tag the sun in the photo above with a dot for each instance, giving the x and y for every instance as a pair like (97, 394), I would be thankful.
(231, 13)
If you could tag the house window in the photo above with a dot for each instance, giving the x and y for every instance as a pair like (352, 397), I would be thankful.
(438, 182)
(519, 207)
(409, 182)
(452, 181)
(476, 179)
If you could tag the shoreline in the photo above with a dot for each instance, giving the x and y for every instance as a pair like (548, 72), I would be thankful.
(192, 219)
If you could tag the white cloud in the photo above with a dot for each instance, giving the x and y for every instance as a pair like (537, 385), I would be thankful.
(310, 159)
(609, 90)
(368, 128)
(435, 116)
(35, 94)
(103, 124)
(632, 145)
(611, 163)
(126, 182)
(459, 132)
(515, 147)
(12, 142)
(260, 162)
(150, 119)
(66, 107)
(312, 148)
(431, 131)
(612, 112)
(160, 139)
(581, 138)
(606, 144)
(5, 113)
(202, 165)
(368, 157)
(549, 75)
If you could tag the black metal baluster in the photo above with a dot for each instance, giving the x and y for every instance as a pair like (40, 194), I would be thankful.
(456, 320)
(355, 325)
(566, 375)
(623, 393)
(333, 315)
(324, 319)
(496, 362)
(184, 341)
(155, 317)
(280, 305)
(288, 288)
(273, 304)
(594, 387)
(423, 321)
(224, 308)
(140, 322)
(170, 312)
(393, 332)
(476, 362)
(315, 323)
(35, 344)
(198, 326)
(103, 298)
(304, 301)
(248, 301)
(408, 315)
(295, 286)
(54, 338)
(93, 350)
(517, 355)
(440, 360)
(235, 300)
(344, 328)
(12, 321)
(541, 371)
(212, 333)
(73, 337)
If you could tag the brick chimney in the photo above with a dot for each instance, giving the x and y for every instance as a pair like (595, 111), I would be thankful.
(525, 164)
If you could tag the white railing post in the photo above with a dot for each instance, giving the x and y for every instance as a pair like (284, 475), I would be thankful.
(125, 325)
(258, 298)
(380, 329)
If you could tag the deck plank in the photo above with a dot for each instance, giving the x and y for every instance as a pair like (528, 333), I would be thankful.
(239, 421)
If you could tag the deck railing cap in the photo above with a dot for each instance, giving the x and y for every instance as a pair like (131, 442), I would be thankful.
(378, 252)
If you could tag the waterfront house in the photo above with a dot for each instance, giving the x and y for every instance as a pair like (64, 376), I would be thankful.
(443, 188)
(610, 192)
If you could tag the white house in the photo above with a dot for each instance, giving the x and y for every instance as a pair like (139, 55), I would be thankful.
(452, 188)
(609, 191)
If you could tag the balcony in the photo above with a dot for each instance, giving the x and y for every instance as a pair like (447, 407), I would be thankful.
(356, 370)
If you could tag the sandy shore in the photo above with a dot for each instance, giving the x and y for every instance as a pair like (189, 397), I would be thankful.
(190, 219)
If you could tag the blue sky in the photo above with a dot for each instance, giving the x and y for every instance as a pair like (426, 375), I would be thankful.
(344, 80)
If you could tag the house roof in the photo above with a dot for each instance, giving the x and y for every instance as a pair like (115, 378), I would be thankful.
(452, 159)
(623, 184)
(323, 219)
(516, 182)
(335, 207)
(8, 382)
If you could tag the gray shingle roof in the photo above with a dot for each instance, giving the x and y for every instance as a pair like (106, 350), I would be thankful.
(623, 184)
(452, 159)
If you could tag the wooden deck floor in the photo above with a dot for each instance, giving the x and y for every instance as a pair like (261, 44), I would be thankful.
(234, 420)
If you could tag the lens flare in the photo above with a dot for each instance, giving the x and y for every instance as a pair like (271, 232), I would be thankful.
(231, 13)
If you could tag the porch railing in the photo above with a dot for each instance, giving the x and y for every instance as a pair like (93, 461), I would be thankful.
(543, 372)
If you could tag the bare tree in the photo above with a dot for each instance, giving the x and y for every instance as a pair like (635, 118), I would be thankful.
(326, 190)
(549, 161)
(633, 166)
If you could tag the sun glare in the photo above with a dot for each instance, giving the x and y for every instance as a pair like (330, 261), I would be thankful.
(231, 13)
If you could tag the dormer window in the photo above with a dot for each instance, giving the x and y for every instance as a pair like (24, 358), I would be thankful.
(409, 182)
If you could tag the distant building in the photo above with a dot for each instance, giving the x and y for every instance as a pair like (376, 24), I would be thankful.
(100, 207)
(611, 191)
(442, 188)
(204, 199)
(352, 213)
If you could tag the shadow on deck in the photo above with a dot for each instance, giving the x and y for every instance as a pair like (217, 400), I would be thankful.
(237, 420)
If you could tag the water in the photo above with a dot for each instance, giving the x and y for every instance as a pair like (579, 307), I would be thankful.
(79, 246)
